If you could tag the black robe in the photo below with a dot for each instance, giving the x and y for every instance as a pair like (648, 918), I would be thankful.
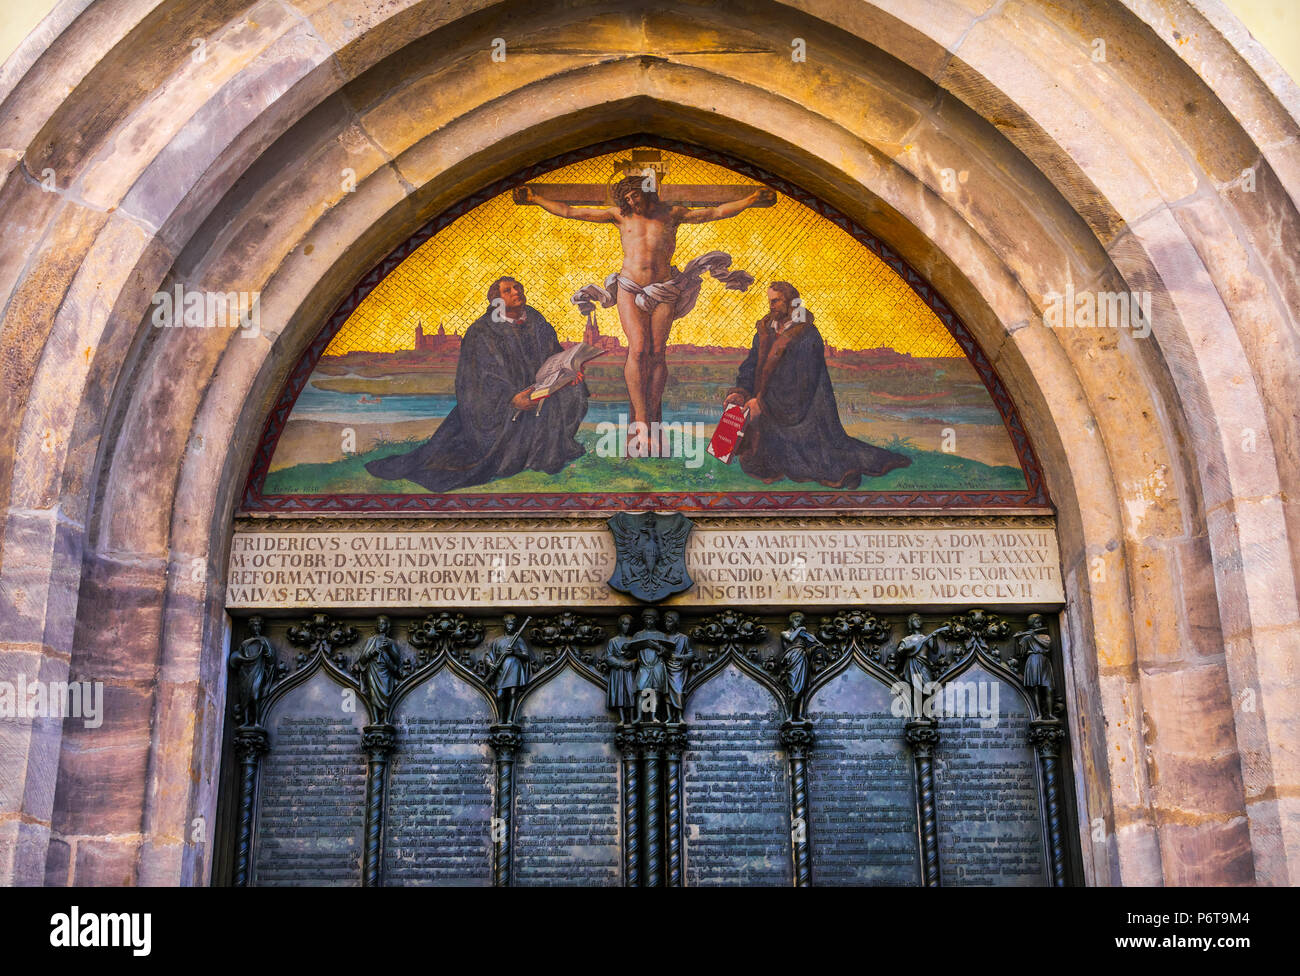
(798, 434)
(478, 442)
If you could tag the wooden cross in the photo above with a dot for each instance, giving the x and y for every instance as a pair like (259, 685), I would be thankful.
(673, 194)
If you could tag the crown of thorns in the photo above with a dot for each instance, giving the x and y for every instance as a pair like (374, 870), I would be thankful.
(631, 181)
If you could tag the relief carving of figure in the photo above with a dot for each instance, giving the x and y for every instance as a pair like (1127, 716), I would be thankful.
(509, 661)
(797, 644)
(651, 644)
(677, 664)
(253, 664)
(1035, 646)
(622, 671)
(381, 663)
(912, 655)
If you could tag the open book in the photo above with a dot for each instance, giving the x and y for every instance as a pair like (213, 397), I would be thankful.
(560, 370)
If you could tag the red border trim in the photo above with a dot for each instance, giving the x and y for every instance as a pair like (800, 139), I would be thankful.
(738, 502)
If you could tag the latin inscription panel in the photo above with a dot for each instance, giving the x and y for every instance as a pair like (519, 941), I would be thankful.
(736, 791)
(986, 786)
(567, 828)
(439, 818)
(958, 564)
(312, 789)
(566, 817)
(861, 786)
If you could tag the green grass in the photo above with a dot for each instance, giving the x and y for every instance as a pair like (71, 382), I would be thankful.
(929, 471)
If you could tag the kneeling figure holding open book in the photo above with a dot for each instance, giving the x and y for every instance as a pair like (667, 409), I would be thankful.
(498, 427)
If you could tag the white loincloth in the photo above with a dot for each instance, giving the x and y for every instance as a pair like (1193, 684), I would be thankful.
(681, 290)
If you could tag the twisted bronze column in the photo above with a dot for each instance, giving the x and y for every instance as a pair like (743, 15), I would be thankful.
(923, 736)
(378, 740)
(1047, 735)
(652, 736)
(251, 742)
(675, 745)
(797, 738)
(625, 738)
(505, 741)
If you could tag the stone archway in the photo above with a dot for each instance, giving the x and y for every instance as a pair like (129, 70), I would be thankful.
(311, 138)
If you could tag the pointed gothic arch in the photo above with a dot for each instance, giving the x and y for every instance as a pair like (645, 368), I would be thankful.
(125, 449)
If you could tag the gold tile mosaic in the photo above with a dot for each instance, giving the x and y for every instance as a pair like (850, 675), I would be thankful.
(859, 302)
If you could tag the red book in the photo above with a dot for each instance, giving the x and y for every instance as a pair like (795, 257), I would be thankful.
(731, 428)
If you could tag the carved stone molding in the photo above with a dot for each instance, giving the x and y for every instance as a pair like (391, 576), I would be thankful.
(797, 738)
(251, 741)
(923, 736)
(505, 739)
(379, 739)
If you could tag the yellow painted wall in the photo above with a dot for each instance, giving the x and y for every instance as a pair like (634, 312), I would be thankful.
(1275, 24)
(17, 18)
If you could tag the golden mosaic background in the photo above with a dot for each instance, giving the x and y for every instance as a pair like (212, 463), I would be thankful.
(858, 301)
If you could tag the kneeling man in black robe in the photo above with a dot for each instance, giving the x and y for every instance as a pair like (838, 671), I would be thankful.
(794, 428)
(478, 441)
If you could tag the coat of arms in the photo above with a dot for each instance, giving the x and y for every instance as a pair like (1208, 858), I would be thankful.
(651, 552)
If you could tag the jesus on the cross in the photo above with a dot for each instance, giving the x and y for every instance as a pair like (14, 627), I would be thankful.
(650, 292)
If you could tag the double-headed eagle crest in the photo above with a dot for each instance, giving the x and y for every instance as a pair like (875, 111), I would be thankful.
(651, 552)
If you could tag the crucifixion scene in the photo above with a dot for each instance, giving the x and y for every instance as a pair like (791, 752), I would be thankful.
(644, 320)
(651, 293)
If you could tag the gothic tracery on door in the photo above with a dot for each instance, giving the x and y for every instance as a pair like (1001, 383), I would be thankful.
(649, 749)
